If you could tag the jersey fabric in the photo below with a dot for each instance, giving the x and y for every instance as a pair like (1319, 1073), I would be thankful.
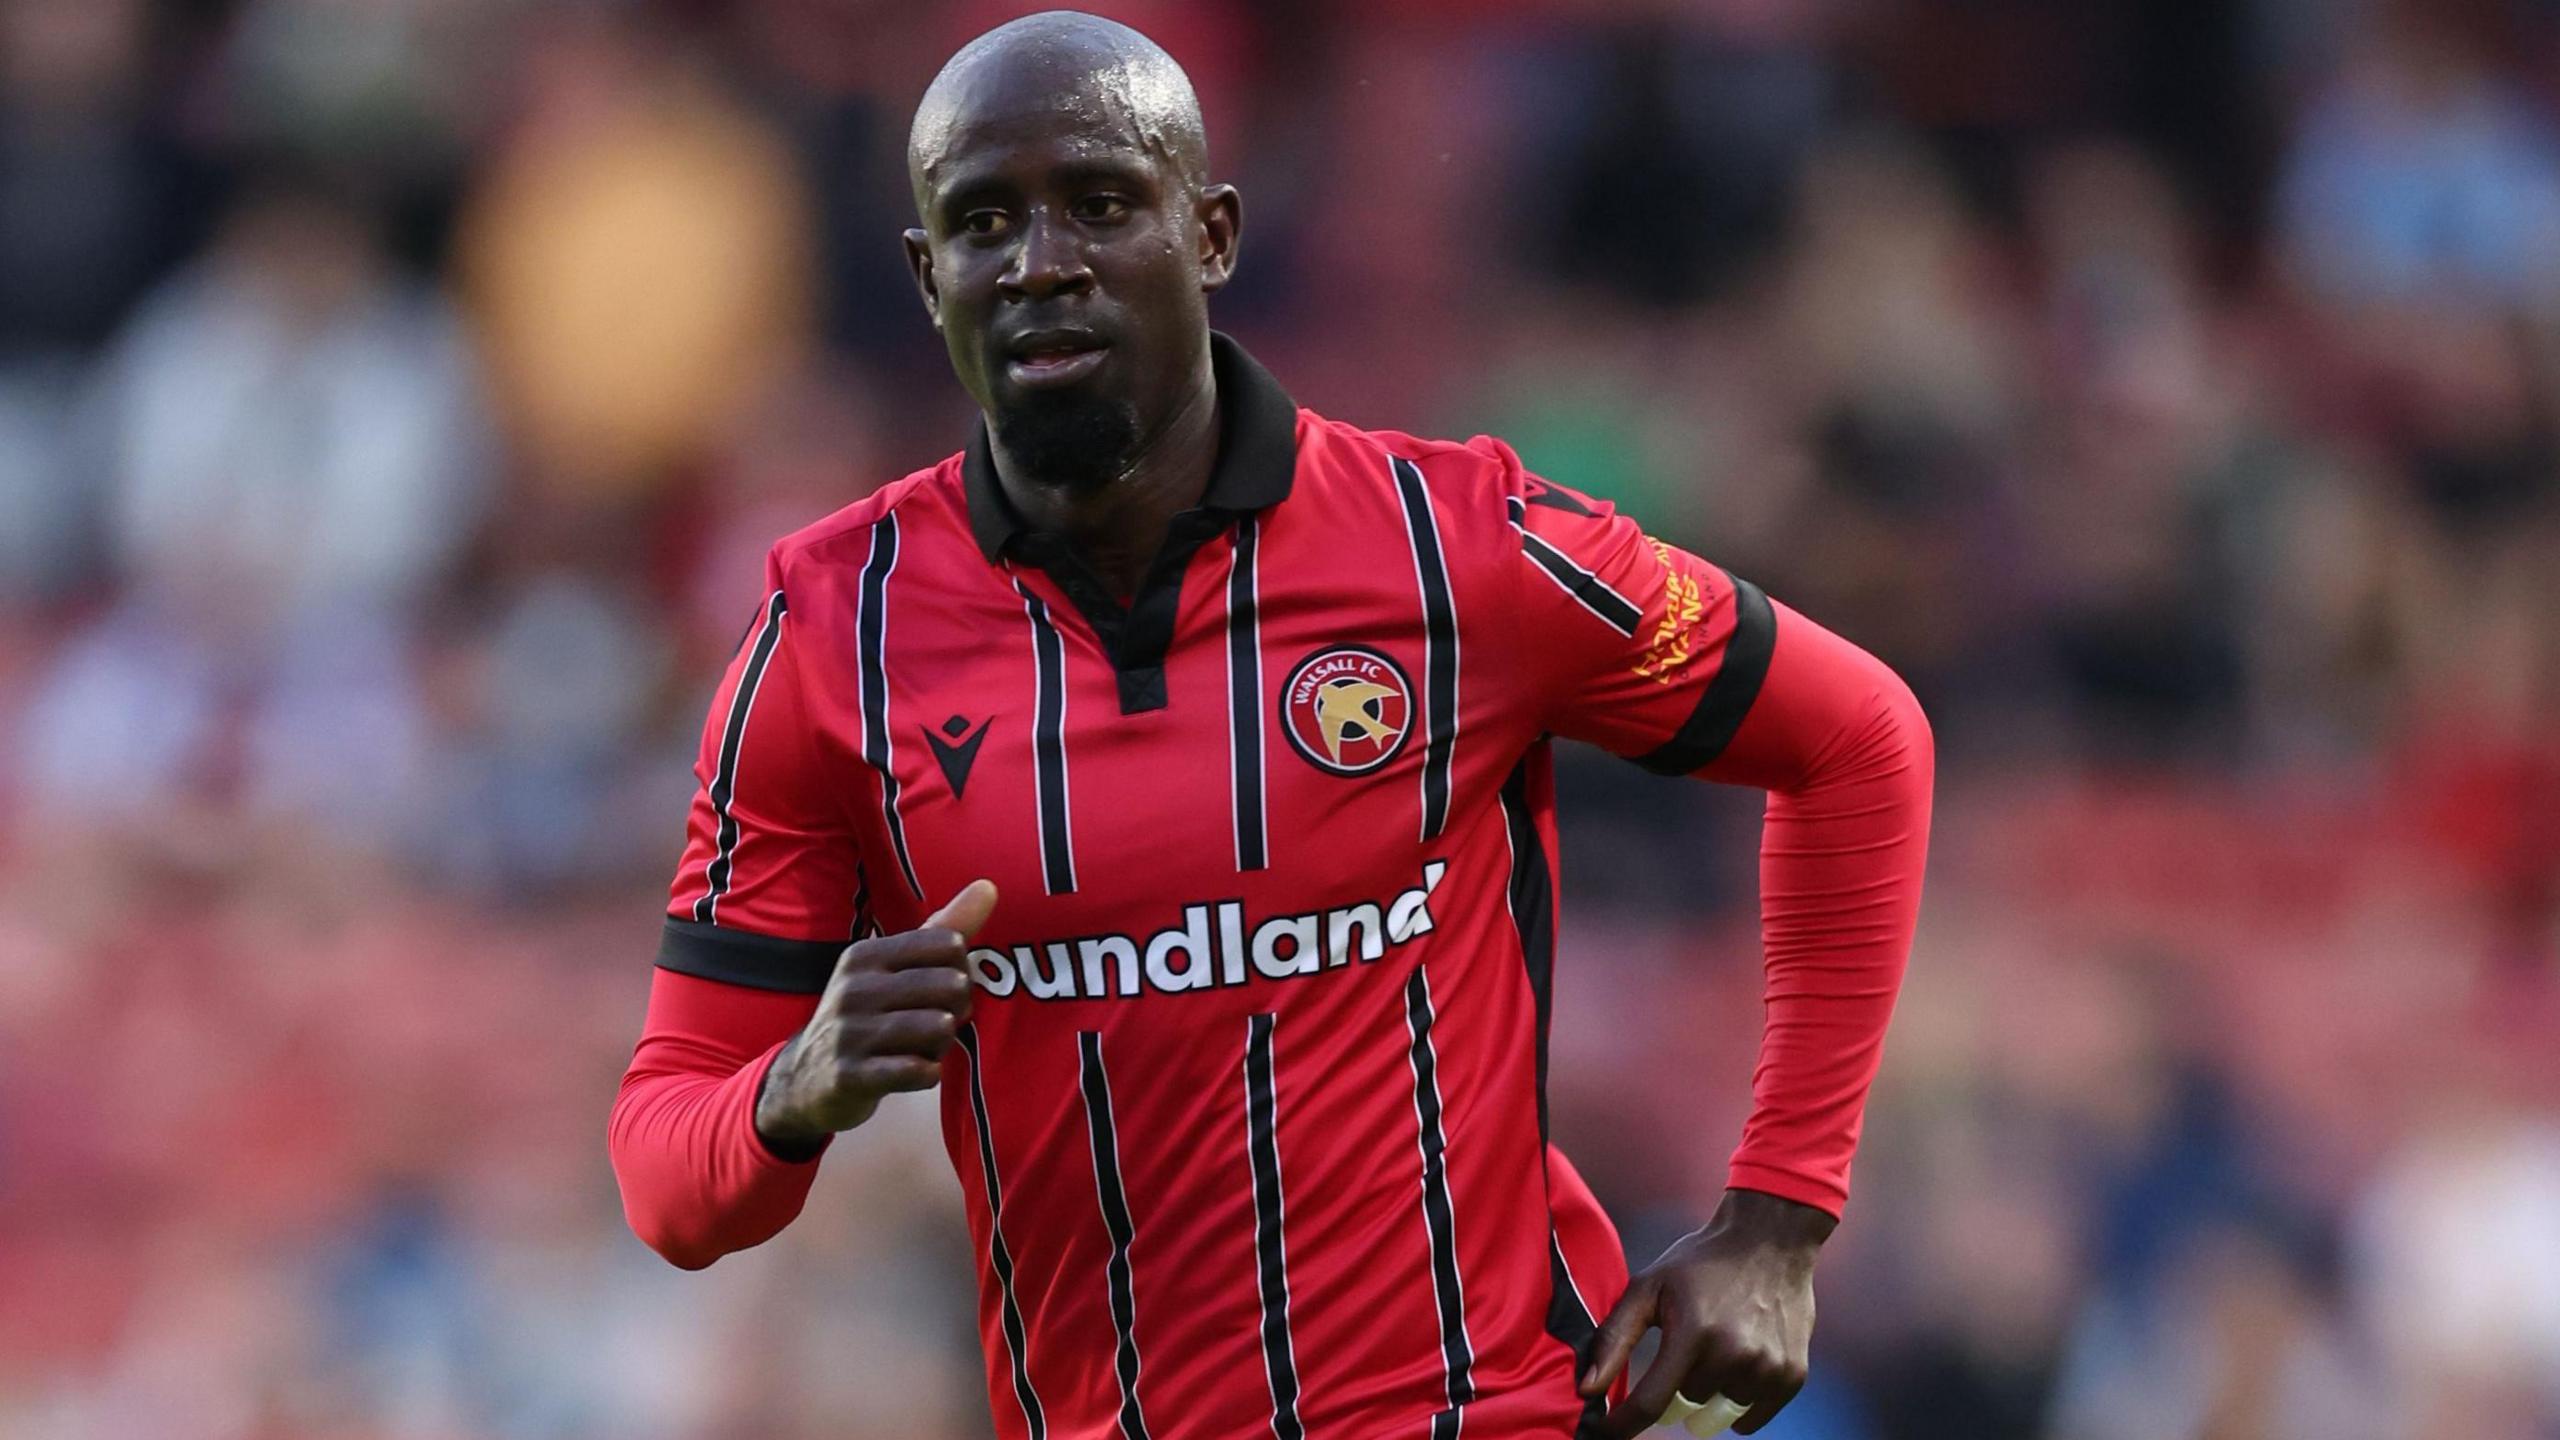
(1250, 1113)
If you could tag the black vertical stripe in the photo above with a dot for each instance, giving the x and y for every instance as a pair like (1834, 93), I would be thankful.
(1244, 696)
(1727, 697)
(1439, 645)
(871, 639)
(1571, 1321)
(1262, 1126)
(862, 919)
(1116, 1223)
(1049, 748)
(1439, 1218)
(1531, 899)
(724, 779)
(1017, 1343)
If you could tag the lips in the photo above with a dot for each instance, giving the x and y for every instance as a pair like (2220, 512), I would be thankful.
(1044, 358)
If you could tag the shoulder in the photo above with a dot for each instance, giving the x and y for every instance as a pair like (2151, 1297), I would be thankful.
(1475, 473)
(841, 544)
(1482, 469)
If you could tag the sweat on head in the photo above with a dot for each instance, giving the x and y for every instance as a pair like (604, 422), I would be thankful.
(1093, 73)
(1068, 241)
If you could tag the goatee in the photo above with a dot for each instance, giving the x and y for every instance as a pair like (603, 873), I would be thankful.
(1078, 443)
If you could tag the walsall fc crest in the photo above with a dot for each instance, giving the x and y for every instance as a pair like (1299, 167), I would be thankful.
(1347, 709)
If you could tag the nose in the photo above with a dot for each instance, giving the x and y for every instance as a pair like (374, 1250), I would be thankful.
(1049, 261)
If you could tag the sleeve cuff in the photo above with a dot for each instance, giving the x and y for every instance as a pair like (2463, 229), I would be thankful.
(1822, 1195)
(742, 957)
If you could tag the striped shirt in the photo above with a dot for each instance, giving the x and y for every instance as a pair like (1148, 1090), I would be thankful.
(1250, 1114)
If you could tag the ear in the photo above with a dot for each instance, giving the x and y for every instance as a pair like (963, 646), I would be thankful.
(1221, 213)
(920, 261)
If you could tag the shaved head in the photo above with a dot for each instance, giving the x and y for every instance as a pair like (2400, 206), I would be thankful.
(1086, 71)
(1067, 241)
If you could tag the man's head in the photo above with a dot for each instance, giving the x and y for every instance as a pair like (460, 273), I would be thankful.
(1070, 238)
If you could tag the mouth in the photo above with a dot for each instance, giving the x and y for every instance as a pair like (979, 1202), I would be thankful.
(1044, 359)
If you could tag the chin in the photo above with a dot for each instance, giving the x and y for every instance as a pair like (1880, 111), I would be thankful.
(1077, 440)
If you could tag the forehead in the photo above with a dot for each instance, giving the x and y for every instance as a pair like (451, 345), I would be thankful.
(1016, 119)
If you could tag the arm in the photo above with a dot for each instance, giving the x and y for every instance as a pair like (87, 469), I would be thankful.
(1659, 656)
(1842, 748)
(734, 1092)
(1846, 756)
(758, 1001)
(697, 1181)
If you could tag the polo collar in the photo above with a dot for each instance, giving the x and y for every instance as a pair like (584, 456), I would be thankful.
(1257, 452)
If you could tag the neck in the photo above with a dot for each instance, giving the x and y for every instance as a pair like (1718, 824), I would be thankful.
(1118, 526)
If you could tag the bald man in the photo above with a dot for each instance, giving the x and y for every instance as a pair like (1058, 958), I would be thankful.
(1246, 715)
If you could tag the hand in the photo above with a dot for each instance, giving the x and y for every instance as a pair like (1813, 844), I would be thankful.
(1734, 1303)
(890, 1010)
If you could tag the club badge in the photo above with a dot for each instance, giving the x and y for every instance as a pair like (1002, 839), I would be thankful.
(1347, 709)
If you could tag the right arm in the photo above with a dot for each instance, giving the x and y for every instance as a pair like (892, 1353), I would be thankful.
(697, 1181)
(755, 985)
(734, 1092)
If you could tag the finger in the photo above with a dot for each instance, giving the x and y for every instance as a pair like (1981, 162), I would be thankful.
(886, 1074)
(909, 950)
(1627, 1322)
(1767, 1408)
(1759, 1382)
(966, 911)
(912, 1032)
(924, 988)
(1651, 1393)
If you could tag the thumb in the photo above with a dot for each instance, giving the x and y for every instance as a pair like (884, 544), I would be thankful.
(1616, 1341)
(966, 911)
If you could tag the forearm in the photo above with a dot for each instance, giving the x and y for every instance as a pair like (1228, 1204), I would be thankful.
(1846, 755)
(697, 1182)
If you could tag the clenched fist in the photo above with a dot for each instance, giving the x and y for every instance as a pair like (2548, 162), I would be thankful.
(891, 1009)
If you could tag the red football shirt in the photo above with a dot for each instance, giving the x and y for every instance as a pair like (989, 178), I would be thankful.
(1250, 1114)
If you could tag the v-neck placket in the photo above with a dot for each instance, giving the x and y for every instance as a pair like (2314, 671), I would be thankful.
(1256, 464)
(1137, 636)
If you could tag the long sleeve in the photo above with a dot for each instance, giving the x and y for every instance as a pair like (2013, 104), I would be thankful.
(1652, 653)
(697, 1182)
(762, 902)
(1841, 746)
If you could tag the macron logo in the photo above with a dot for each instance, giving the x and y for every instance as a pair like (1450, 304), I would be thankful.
(956, 754)
(1212, 947)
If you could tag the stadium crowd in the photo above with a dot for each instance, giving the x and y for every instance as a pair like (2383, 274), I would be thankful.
(395, 400)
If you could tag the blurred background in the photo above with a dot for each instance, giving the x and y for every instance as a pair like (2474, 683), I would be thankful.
(396, 397)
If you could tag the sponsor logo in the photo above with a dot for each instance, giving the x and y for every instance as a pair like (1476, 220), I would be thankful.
(1667, 653)
(1347, 709)
(957, 753)
(1215, 945)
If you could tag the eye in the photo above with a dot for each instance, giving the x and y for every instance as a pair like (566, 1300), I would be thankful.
(983, 223)
(1101, 209)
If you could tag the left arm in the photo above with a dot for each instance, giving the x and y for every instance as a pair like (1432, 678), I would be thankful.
(1842, 748)
(1651, 653)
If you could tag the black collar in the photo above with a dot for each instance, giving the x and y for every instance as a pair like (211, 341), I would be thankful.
(1257, 451)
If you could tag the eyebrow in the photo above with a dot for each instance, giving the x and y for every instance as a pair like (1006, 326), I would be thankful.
(973, 185)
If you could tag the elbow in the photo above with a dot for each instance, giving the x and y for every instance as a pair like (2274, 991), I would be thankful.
(673, 1243)
(653, 1202)
(1906, 723)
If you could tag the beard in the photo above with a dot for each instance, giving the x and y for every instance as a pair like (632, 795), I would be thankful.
(1076, 442)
